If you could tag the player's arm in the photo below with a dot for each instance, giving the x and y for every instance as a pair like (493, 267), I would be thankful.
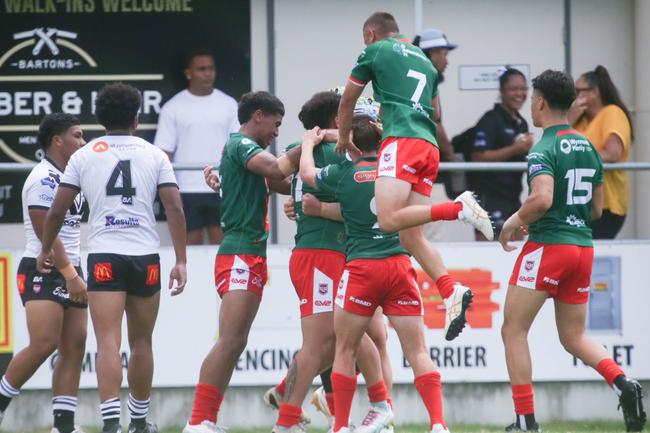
(312, 206)
(267, 165)
(346, 111)
(280, 186)
(65, 196)
(308, 170)
(597, 202)
(74, 283)
(171, 201)
(437, 114)
(446, 148)
(536, 205)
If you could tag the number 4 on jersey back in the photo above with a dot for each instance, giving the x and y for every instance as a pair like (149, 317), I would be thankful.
(120, 182)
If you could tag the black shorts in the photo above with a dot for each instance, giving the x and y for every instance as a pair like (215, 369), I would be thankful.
(499, 209)
(34, 286)
(135, 275)
(201, 210)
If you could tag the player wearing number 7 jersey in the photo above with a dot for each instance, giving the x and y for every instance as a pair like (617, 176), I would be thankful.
(120, 174)
(405, 83)
(565, 176)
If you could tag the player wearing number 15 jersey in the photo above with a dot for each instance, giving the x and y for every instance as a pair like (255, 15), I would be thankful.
(405, 84)
(120, 174)
(565, 176)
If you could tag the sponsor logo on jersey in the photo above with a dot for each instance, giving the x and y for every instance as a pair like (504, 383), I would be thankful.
(74, 223)
(574, 221)
(365, 176)
(413, 302)
(360, 301)
(257, 282)
(48, 181)
(427, 181)
(103, 272)
(37, 279)
(116, 222)
(551, 281)
(20, 282)
(534, 168)
(409, 169)
(46, 198)
(100, 146)
(61, 292)
(530, 264)
(583, 289)
(303, 301)
(526, 279)
(153, 275)
(238, 281)
(568, 145)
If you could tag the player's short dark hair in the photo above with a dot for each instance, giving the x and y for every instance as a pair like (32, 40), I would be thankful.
(320, 110)
(557, 88)
(365, 135)
(509, 72)
(252, 101)
(117, 106)
(382, 22)
(54, 124)
(197, 52)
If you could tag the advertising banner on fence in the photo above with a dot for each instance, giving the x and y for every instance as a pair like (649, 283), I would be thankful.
(56, 55)
(187, 324)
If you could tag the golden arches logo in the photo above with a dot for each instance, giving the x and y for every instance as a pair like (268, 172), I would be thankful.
(50, 38)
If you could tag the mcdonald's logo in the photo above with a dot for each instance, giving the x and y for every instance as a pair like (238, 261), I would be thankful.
(153, 275)
(103, 272)
(20, 280)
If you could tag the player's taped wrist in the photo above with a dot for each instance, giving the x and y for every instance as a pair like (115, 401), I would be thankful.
(69, 272)
(286, 166)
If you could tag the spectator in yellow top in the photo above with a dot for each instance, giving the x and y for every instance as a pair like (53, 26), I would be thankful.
(600, 114)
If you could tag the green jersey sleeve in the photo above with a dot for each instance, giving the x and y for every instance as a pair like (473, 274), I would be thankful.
(540, 163)
(362, 72)
(246, 149)
(329, 178)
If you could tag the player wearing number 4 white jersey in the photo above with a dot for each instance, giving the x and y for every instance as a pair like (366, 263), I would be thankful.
(120, 175)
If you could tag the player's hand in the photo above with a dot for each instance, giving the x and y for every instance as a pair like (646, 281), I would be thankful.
(379, 127)
(345, 145)
(523, 142)
(45, 262)
(311, 206)
(289, 209)
(509, 230)
(211, 179)
(178, 274)
(313, 137)
(77, 290)
(331, 135)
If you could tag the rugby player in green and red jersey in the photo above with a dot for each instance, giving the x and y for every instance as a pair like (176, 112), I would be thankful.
(247, 172)
(315, 268)
(378, 272)
(565, 177)
(405, 84)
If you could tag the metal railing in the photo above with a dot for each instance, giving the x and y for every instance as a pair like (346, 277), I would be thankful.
(16, 167)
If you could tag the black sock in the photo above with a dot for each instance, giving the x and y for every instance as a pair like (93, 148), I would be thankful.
(620, 382)
(326, 380)
(526, 422)
(139, 422)
(4, 402)
(64, 421)
(110, 423)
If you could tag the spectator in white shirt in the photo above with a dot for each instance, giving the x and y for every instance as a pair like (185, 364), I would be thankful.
(193, 127)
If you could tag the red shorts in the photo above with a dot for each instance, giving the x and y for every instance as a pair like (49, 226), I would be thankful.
(314, 274)
(240, 272)
(389, 283)
(413, 160)
(564, 271)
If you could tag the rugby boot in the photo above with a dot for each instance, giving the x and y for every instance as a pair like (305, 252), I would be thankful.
(457, 305)
(474, 215)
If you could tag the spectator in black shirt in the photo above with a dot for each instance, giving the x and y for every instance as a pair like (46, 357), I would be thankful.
(502, 135)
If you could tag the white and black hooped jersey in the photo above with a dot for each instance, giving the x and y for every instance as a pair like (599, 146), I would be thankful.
(38, 193)
(119, 175)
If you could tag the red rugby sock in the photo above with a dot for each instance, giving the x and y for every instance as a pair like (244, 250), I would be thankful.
(207, 400)
(430, 389)
(344, 387)
(445, 286)
(289, 415)
(281, 386)
(378, 392)
(609, 369)
(524, 399)
(446, 211)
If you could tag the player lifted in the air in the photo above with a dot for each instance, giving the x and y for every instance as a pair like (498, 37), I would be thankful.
(378, 272)
(120, 175)
(405, 83)
(248, 174)
(565, 177)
